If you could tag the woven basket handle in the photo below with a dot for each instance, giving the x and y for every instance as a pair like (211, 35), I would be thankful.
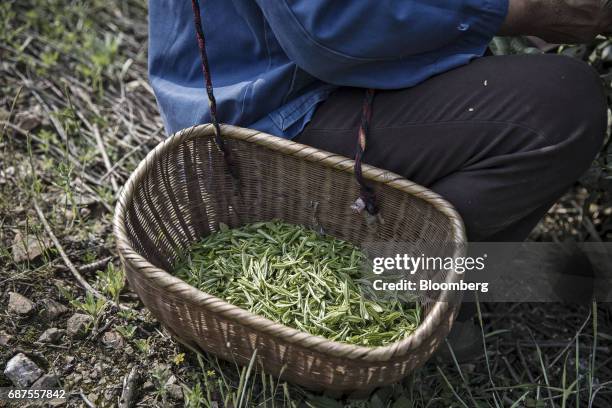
(367, 199)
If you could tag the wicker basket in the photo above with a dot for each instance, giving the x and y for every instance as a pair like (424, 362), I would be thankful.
(181, 191)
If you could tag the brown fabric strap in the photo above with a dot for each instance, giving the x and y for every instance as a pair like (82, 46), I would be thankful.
(212, 102)
(367, 198)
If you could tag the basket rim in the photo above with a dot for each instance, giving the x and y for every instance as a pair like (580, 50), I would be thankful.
(258, 323)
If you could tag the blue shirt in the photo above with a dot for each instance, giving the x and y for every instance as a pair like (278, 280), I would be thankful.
(274, 61)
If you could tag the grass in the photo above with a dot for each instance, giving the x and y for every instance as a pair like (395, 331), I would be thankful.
(112, 282)
(502, 379)
(73, 73)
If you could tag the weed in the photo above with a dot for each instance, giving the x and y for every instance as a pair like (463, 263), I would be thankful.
(91, 305)
(179, 359)
(143, 346)
(195, 397)
(126, 331)
(112, 281)
(127, 314)
(160, 376)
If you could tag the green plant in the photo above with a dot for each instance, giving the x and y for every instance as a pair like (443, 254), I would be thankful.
(126, 331)
(160, 377)
(66, 293)
(178, 359)
(49, 58)
(194, 397)
(89, 257)
(143, 345)
(127, 314)
(91, 305)
(239, 393)
(112, 281)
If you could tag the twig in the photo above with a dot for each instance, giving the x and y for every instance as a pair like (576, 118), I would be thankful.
(524, 362)
(553, 344)
(122, 159)
(67, 261)
(129, 389)
(569, 344)
(511, 370)
(96, 264)
(55, 346)
(107, 162)
(56, 123)
(19, 275)
(584, 217)
(86, 400)
(8, 118)
(103, 328)
(95, 193)
(55, 149)
(93, 266)
(102, 149)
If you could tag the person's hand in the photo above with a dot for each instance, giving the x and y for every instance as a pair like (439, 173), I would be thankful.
(559, 21)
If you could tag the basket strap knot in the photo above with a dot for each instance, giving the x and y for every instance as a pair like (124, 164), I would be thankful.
(367, 197)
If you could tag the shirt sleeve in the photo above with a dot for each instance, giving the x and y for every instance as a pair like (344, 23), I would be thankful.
(370, 43)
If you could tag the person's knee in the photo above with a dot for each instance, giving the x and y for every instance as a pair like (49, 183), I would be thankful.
(581, 101)
(577, 111)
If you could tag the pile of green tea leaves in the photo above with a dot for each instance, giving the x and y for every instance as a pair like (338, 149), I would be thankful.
(298, 277)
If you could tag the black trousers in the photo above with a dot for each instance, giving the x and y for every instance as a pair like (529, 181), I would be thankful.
(501, 138)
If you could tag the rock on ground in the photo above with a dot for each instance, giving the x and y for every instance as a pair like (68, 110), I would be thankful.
(5, 339)
(46, 382)
(113, 339)
(93, 397)
(52, 335)
(22, 371)
(175, 391)
(28, 248)
(19, 304)
(78, 324)
(52, 309)
(32, 118)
